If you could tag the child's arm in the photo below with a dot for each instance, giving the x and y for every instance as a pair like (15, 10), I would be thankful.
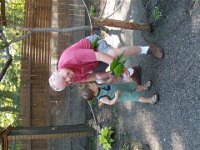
(106, 100)
(110, 78)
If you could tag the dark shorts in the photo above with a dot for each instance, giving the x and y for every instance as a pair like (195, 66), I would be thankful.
(101, 67)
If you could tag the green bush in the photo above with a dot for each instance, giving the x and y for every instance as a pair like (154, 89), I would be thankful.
(105, 138)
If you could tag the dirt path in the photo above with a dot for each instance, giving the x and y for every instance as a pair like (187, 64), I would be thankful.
(174, 122)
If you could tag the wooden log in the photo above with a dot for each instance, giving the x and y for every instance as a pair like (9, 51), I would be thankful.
(122, 24)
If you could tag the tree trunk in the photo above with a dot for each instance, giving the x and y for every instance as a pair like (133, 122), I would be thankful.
(3, 13)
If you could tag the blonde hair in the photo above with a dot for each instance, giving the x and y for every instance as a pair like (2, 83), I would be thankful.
(87, 93)
(52, 81)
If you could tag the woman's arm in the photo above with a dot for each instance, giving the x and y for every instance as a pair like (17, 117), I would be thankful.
(98, 76)
(104, 57)
(106, 100)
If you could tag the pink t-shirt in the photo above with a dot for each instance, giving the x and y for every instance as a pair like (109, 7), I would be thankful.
(79, 58)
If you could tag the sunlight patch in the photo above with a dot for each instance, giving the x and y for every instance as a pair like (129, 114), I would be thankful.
(146, 125)
(128, 105)
(121, 14)
(177, 142)
(195, 24)
(54, 24)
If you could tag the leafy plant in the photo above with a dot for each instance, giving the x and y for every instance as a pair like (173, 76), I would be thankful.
(105, 138)
(156, 13)
(92, 11)
(10, 84)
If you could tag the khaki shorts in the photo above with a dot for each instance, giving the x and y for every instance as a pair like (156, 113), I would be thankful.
(103, 47)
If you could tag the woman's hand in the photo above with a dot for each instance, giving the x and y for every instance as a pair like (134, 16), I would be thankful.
(126, 73)
(127, 76)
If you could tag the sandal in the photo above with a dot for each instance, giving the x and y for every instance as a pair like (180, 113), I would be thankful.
(154, 99)
(147, 85)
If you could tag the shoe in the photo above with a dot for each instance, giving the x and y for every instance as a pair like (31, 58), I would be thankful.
(155, 51)
(147, 85)
(137, 75)
(154, 99)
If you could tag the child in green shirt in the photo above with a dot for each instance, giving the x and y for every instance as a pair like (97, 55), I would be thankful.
(119, 92)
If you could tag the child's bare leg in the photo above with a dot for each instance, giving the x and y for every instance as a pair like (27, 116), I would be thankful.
(146, 86)
(144, 100)
(139, 88)
(151, 100)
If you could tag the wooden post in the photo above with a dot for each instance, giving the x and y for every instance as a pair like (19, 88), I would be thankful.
(122, 24)
(4, 137)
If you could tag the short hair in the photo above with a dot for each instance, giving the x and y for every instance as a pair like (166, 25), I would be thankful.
(87, 93)
(52, 81)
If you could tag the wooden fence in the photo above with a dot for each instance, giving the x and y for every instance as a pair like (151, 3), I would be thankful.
(39, 104)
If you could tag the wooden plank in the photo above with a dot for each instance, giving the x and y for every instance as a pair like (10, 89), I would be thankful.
(30, 133)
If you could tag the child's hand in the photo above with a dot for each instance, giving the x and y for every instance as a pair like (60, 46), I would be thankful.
(127, 77)
(117, 93)
(126, 74)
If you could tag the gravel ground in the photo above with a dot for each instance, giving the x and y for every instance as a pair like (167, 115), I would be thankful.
(174, 122)
(176, 118)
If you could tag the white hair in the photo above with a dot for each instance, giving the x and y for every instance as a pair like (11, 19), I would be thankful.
(52, 81)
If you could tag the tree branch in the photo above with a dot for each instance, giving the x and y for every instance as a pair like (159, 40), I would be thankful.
(20, 38)
(72, 29)
(8, 109)
(6, 65)
(9, 57)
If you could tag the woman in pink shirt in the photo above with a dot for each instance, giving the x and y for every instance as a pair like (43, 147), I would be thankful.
(78, 61)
